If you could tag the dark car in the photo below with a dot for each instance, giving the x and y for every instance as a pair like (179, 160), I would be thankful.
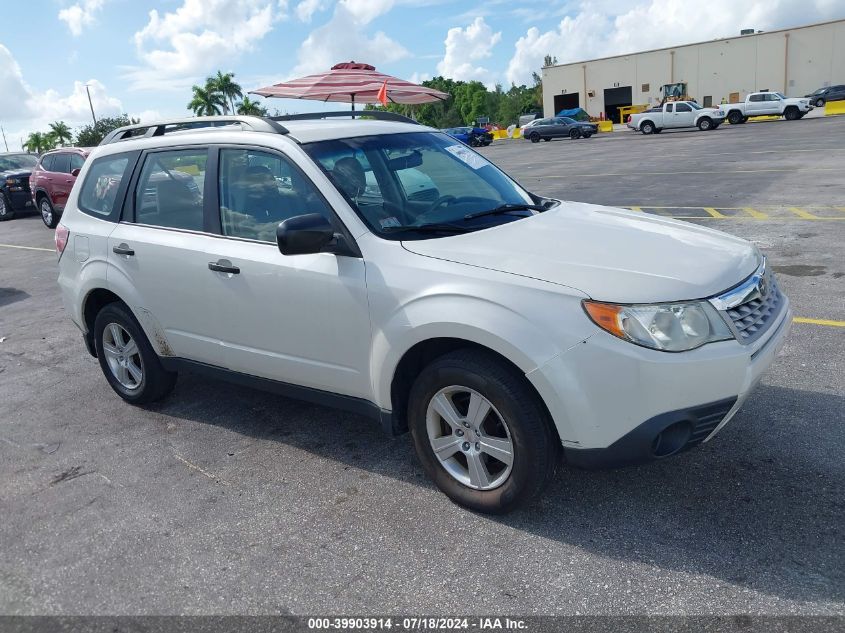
(53, 178)
(558, 127)
(823, 95)
(472, 136)
(15, 169)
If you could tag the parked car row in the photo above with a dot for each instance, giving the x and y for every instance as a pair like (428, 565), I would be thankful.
(44, 183)
(681, 114)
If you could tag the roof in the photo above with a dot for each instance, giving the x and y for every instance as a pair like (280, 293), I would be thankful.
(325, 130)
(669, 48)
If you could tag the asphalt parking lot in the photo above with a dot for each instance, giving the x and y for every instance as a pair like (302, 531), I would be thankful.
(225, 500)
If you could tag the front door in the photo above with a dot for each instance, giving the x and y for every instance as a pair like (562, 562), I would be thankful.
(684, 115)
(163, 250)
(301, 319)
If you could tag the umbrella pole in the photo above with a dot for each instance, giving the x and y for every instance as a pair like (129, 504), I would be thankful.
(353, 104)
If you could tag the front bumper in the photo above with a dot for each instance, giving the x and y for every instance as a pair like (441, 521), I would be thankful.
(611, 400)
(20, 199)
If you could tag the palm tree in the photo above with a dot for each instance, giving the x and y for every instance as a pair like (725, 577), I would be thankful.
(61, 132)
(224, 84)
(206, 101)
(249, 107)
(38, 143)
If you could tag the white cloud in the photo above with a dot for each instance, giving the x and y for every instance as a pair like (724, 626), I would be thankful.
(344, 38)
(599, 28)
(179, 47)
(80, 15)
(464, 48)
(14, 93)
(306, 9)
(365, 11)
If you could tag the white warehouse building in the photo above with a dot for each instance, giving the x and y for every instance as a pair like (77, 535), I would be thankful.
(793, 61)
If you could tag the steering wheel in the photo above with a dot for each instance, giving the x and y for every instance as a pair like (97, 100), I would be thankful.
(441, 201)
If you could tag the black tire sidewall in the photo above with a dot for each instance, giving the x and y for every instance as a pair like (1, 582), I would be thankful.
(647, 127)
(734, 117)
(705, 124)
(155, 382)
(533, 442)
(53, 215)
(534, 138)
(819, 103)
(9, 211)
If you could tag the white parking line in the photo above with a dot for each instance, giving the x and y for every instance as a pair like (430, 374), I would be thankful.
(28, 248)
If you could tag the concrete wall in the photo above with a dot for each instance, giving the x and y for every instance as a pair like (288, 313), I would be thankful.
(815, 58)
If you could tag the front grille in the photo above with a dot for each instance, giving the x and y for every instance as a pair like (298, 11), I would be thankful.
(752, 318)
(25, 183)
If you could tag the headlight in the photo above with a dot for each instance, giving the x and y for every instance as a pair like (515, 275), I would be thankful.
(12, 182)
(668, 327)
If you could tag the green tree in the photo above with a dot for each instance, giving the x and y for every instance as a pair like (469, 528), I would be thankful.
(61, 133)
(38, 142)
(224, 84)
(249, 107)
(207, 101)
(91, 135)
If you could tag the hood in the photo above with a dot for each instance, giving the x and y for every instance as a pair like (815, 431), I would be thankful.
(608, 254)
(15, 173)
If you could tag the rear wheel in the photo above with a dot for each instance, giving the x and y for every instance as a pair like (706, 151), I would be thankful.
(705, 124)
(647, 127)
(574, 133)
(127, 359)
(792, 114)
(48, 215)
(480, 432)
(534, 138)
(6, 212)
(734, 117)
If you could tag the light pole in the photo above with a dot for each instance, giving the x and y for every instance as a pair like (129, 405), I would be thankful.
(93, 116)
(5, 142)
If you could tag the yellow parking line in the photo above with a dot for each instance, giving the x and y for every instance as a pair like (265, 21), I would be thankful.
(714, 213)
(28, 248)
(801, 213)
(636, 209)
(754, 213)
(819, 322)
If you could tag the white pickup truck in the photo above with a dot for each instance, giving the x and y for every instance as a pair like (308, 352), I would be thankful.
(767, 104)
(676, 114)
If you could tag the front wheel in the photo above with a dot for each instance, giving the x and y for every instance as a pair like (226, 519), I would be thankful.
(705, 124)
(6, 212)
(127, 359)
(48, 215)
(574, 134)
(480, 432)
(792, 114)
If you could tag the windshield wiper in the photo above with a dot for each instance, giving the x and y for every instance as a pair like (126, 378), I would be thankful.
(427, 228)
(504, 208)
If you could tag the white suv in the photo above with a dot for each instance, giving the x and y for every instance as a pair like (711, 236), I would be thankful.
(501, 328)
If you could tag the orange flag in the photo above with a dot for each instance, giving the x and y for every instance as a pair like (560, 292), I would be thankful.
(382, 94)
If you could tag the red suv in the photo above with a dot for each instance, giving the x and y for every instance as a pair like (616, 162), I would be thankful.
(53, 178)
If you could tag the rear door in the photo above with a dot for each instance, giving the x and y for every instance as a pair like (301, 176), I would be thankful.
(61, 180)
(161, 251)
(755, 105)
(668, 115)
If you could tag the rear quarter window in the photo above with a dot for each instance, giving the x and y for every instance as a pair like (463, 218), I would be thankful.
(105, 185)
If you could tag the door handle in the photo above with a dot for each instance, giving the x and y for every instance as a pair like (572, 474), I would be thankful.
(223, 268)
(123, 249)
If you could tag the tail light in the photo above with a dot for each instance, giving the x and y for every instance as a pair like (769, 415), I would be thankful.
(630, 117)
(61, 236)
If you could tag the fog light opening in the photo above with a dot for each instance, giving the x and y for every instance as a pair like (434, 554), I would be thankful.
(671, 439)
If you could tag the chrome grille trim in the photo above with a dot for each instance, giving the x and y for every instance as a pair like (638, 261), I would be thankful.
(751, 308)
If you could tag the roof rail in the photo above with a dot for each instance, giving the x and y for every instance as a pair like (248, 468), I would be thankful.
(382, 115)
(160, 128)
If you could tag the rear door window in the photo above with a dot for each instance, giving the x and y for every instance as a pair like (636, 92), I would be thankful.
(61, 163)
(169, 192)
(105, 185)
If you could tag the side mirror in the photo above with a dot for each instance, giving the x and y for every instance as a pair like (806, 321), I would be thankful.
(304, 234)
(75, 172)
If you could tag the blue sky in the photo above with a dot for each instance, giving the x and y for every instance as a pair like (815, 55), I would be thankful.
(142, 56)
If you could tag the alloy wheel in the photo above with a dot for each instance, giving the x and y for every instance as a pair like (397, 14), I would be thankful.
(469, 437)
(123, 356)
(46, 212)
(3, 208)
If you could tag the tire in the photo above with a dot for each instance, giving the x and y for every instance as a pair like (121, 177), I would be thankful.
(791, 114)
(48, 215)
(820, 103)
(6, 212)
(534, 138)
(516, 420)
(647, 127)
(734, 117)
(705, 123)
(148, 381)
(574, 134)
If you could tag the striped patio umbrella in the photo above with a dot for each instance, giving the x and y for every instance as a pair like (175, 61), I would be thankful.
(351, 82)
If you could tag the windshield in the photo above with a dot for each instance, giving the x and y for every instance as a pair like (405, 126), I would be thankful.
(412, 183)
(819, 91)
(17, 161)
(781, 95)
(694, 105)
